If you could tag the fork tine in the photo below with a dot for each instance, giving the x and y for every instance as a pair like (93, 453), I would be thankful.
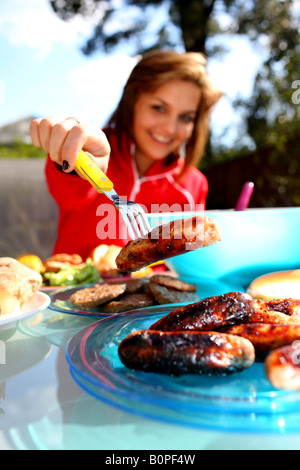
(146, 223)
(141, 218)
(142, 221)
(132, 217)
(128, 225)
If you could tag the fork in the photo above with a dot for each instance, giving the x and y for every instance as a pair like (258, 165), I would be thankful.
(132, 213)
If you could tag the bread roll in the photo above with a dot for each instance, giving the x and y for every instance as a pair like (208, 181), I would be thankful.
(18, 280)
(277, 285)
(8, 304)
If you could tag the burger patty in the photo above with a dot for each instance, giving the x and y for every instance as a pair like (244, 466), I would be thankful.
(173, 283)
(163, 295)
(117, 297)
(99, 294)
(129, 302)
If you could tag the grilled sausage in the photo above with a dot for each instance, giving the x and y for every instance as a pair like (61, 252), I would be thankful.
(209, 314)
(287, 306)
(273, 318)
(166, 241)
(182, 352)
(266, 337)
(282, 367)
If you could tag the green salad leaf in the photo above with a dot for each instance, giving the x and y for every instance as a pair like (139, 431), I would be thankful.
(89, 274)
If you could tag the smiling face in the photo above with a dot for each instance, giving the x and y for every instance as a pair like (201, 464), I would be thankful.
(163, 120)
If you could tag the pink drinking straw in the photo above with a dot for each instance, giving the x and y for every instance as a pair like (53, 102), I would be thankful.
(245, 196)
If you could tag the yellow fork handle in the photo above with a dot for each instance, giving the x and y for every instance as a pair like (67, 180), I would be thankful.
(92, 172)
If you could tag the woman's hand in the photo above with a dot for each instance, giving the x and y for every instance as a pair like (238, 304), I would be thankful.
(63, 140)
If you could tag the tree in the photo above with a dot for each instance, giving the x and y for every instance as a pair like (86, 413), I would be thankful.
(190, 19)
(272, 111)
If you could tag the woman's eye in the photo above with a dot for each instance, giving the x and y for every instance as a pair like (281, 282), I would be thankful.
(187, 119)
(158, 108)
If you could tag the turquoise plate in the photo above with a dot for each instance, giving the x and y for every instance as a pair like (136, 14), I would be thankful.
(206, 287)
(244, 401)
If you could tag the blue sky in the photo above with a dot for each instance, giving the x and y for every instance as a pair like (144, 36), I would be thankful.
(43, 72)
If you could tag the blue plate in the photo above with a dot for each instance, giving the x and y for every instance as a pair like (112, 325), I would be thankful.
(245, 401)
(205, 288)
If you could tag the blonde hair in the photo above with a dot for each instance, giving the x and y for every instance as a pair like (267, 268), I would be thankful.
(154, 70)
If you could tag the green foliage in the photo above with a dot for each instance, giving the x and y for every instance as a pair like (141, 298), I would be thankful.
(20, 150)
(272, 112)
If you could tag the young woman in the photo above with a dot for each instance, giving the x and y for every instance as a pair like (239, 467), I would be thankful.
(150, 150)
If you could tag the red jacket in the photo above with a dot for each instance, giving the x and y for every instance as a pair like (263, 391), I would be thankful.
(88, 219)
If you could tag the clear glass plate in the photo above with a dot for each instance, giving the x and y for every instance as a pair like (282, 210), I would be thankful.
(244, 401)
(205, 287)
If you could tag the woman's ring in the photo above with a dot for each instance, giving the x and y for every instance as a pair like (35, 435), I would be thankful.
(74, 119)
